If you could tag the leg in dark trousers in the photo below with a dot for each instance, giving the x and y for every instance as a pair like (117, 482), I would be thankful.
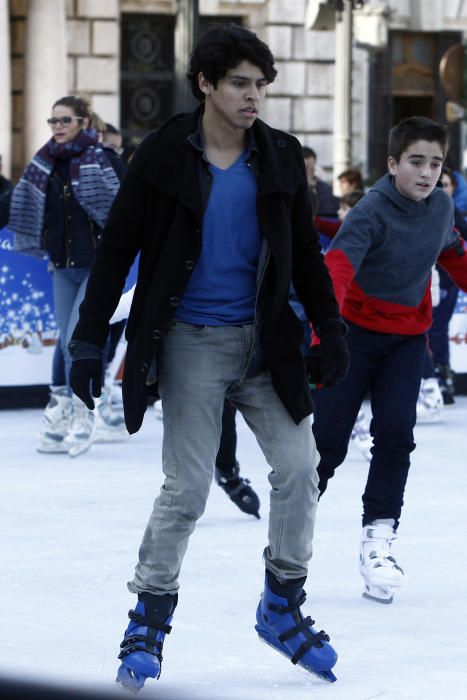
(439, 336)
(390, 366)
(228, 469)
(394, 394)
(337, 408)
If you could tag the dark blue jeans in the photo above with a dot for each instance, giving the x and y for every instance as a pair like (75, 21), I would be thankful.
(390, 367)
(439, 331)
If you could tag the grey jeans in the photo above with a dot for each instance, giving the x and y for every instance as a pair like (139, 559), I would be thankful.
(199, 367)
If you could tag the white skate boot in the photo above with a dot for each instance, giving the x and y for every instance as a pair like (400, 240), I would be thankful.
(430, 401)
(110, 421)
(361, 436)
(56, 421)
(381, 573)
(81, 433)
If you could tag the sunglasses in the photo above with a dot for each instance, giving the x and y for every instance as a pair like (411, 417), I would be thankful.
(63, 121)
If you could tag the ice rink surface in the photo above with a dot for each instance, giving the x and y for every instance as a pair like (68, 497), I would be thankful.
(70, 530)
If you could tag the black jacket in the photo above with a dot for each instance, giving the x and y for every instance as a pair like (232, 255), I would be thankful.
(159, 212)
(6, 189)
(70, 234)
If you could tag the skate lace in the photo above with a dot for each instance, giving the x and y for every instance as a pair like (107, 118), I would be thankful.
(379, 551)
(312, 639)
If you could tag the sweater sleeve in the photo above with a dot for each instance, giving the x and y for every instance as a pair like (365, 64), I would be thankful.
(453, 259)
(348, 249)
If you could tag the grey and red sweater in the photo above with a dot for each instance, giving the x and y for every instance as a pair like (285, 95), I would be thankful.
(381, 258)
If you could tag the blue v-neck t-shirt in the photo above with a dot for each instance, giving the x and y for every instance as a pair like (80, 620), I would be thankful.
(222, 288)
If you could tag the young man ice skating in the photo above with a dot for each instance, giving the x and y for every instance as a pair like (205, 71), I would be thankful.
(217, 204)
(380, 262)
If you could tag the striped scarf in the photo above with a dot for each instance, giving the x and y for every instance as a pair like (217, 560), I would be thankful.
(93, 181)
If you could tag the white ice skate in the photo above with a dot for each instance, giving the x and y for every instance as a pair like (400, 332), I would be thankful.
(361, 436)
(381, 573)
(430, 401)
(110, 421)
(56, 421)
(81, 433)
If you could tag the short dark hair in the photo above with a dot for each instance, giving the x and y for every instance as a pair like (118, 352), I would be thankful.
(351, 198)
(447, 171)
(221, 48)
(309, 153)
(111, 129)
(352, 175)
(414, 129)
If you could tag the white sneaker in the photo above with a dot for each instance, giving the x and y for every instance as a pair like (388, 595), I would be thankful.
(430, 401)
(110, 421)
(81, 433)
(56, 421)
(361, 436)
(381, 573)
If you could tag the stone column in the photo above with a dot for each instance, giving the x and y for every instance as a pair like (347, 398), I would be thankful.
(45, 68)
(343, 94)
(5, 89)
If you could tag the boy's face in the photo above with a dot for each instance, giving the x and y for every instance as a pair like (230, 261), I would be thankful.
(418, 170)
(237, 98)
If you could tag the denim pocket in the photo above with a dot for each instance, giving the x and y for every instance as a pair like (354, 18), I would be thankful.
(182, 328)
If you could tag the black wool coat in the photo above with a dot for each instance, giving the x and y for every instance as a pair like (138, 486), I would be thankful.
(158, 212)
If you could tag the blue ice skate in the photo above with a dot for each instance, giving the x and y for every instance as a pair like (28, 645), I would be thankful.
(141, 649)
(281, 624)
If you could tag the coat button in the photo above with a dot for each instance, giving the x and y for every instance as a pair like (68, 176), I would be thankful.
(157, 334)
(189, 265)
(144, 368)
(281, 143)
(174, 301)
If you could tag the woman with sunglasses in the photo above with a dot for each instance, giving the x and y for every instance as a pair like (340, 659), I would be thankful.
(58, 209)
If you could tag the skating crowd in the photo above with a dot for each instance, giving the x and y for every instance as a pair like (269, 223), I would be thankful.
(258, 290)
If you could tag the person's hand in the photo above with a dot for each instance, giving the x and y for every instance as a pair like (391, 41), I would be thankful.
(335, 358)
(86, 377)
(327, 363)
(314, 370)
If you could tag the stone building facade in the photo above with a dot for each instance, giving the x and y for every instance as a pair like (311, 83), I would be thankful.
(52, 47)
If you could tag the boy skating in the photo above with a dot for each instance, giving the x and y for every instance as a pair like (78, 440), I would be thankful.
(380, 262)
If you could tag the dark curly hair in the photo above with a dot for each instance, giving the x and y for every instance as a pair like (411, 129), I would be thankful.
(221, 48)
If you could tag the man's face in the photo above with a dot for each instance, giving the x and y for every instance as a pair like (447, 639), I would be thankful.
(418, 170)
(237, 98)
(345, 186)
(113, 141)
(310, 163)
(447, 184)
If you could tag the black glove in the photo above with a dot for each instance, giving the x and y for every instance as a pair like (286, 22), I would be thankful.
(328, 362)
(84, 375)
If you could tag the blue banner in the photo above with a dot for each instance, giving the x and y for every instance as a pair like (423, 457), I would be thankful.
(28, 331)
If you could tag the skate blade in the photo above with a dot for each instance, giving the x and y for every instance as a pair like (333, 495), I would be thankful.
(52, 449)
(77, 450)
(326, 675)
(128, 680)
(101, 439)
(374, 598)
